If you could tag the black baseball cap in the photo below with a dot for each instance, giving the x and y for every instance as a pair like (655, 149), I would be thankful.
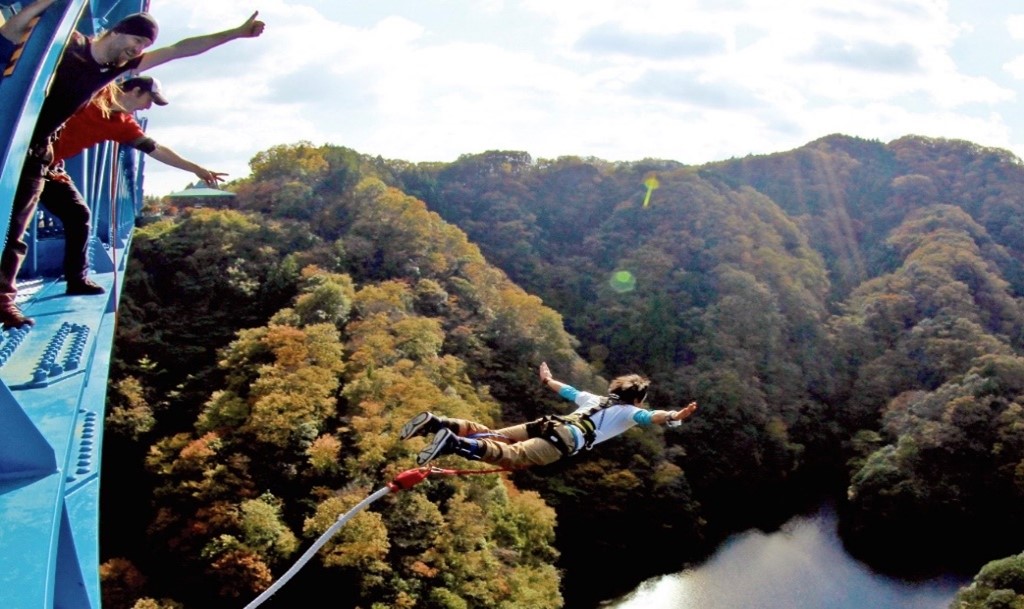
(138, 24)
(147, 84)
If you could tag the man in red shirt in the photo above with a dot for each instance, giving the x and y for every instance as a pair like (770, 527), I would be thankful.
(108, 117)
(97, 123)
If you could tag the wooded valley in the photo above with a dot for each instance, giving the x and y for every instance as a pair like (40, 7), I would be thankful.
(848, 315)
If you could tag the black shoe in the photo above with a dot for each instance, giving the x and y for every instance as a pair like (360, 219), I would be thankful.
(84, 287)
(420, 425)
(12, 317)
(444, 443)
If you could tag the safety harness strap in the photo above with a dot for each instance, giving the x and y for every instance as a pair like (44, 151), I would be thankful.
(546, 427)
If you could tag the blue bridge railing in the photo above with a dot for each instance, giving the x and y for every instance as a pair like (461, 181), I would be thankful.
(53, 376)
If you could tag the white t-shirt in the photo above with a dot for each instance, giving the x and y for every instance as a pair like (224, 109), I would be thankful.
(609, 422)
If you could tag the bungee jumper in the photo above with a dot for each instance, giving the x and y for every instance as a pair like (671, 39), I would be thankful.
(538, 442)
(548, 438)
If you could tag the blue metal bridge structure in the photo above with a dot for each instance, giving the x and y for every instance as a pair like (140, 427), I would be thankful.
(53, 376)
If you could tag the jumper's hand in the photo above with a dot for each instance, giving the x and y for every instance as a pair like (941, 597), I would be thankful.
(675, 419)
(545, 372)
(685, 412)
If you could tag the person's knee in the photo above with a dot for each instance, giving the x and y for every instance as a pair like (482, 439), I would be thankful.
(71, 216)
(80, 216)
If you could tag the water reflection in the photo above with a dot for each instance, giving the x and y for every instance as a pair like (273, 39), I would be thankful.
(801, 566)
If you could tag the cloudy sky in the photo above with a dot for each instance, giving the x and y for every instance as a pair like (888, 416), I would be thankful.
(693, 81)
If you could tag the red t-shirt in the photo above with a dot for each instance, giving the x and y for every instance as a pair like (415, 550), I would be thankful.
(88, 127)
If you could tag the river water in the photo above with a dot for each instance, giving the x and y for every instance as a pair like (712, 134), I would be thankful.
(801, 566)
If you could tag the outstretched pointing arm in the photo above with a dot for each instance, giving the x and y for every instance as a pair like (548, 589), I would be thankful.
(169, 157)
(200, 44)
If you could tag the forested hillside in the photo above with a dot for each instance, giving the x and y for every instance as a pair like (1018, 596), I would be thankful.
(848, 316)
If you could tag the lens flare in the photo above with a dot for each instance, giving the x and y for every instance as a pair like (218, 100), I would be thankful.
(622, 281)
(651, 182)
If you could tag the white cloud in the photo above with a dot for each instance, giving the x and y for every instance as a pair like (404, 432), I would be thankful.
(1015, 25)
(689, 80)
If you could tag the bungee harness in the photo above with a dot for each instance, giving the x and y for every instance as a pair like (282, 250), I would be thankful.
(546, 426)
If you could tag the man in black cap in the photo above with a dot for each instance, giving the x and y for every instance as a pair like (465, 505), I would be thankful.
(85, 68)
